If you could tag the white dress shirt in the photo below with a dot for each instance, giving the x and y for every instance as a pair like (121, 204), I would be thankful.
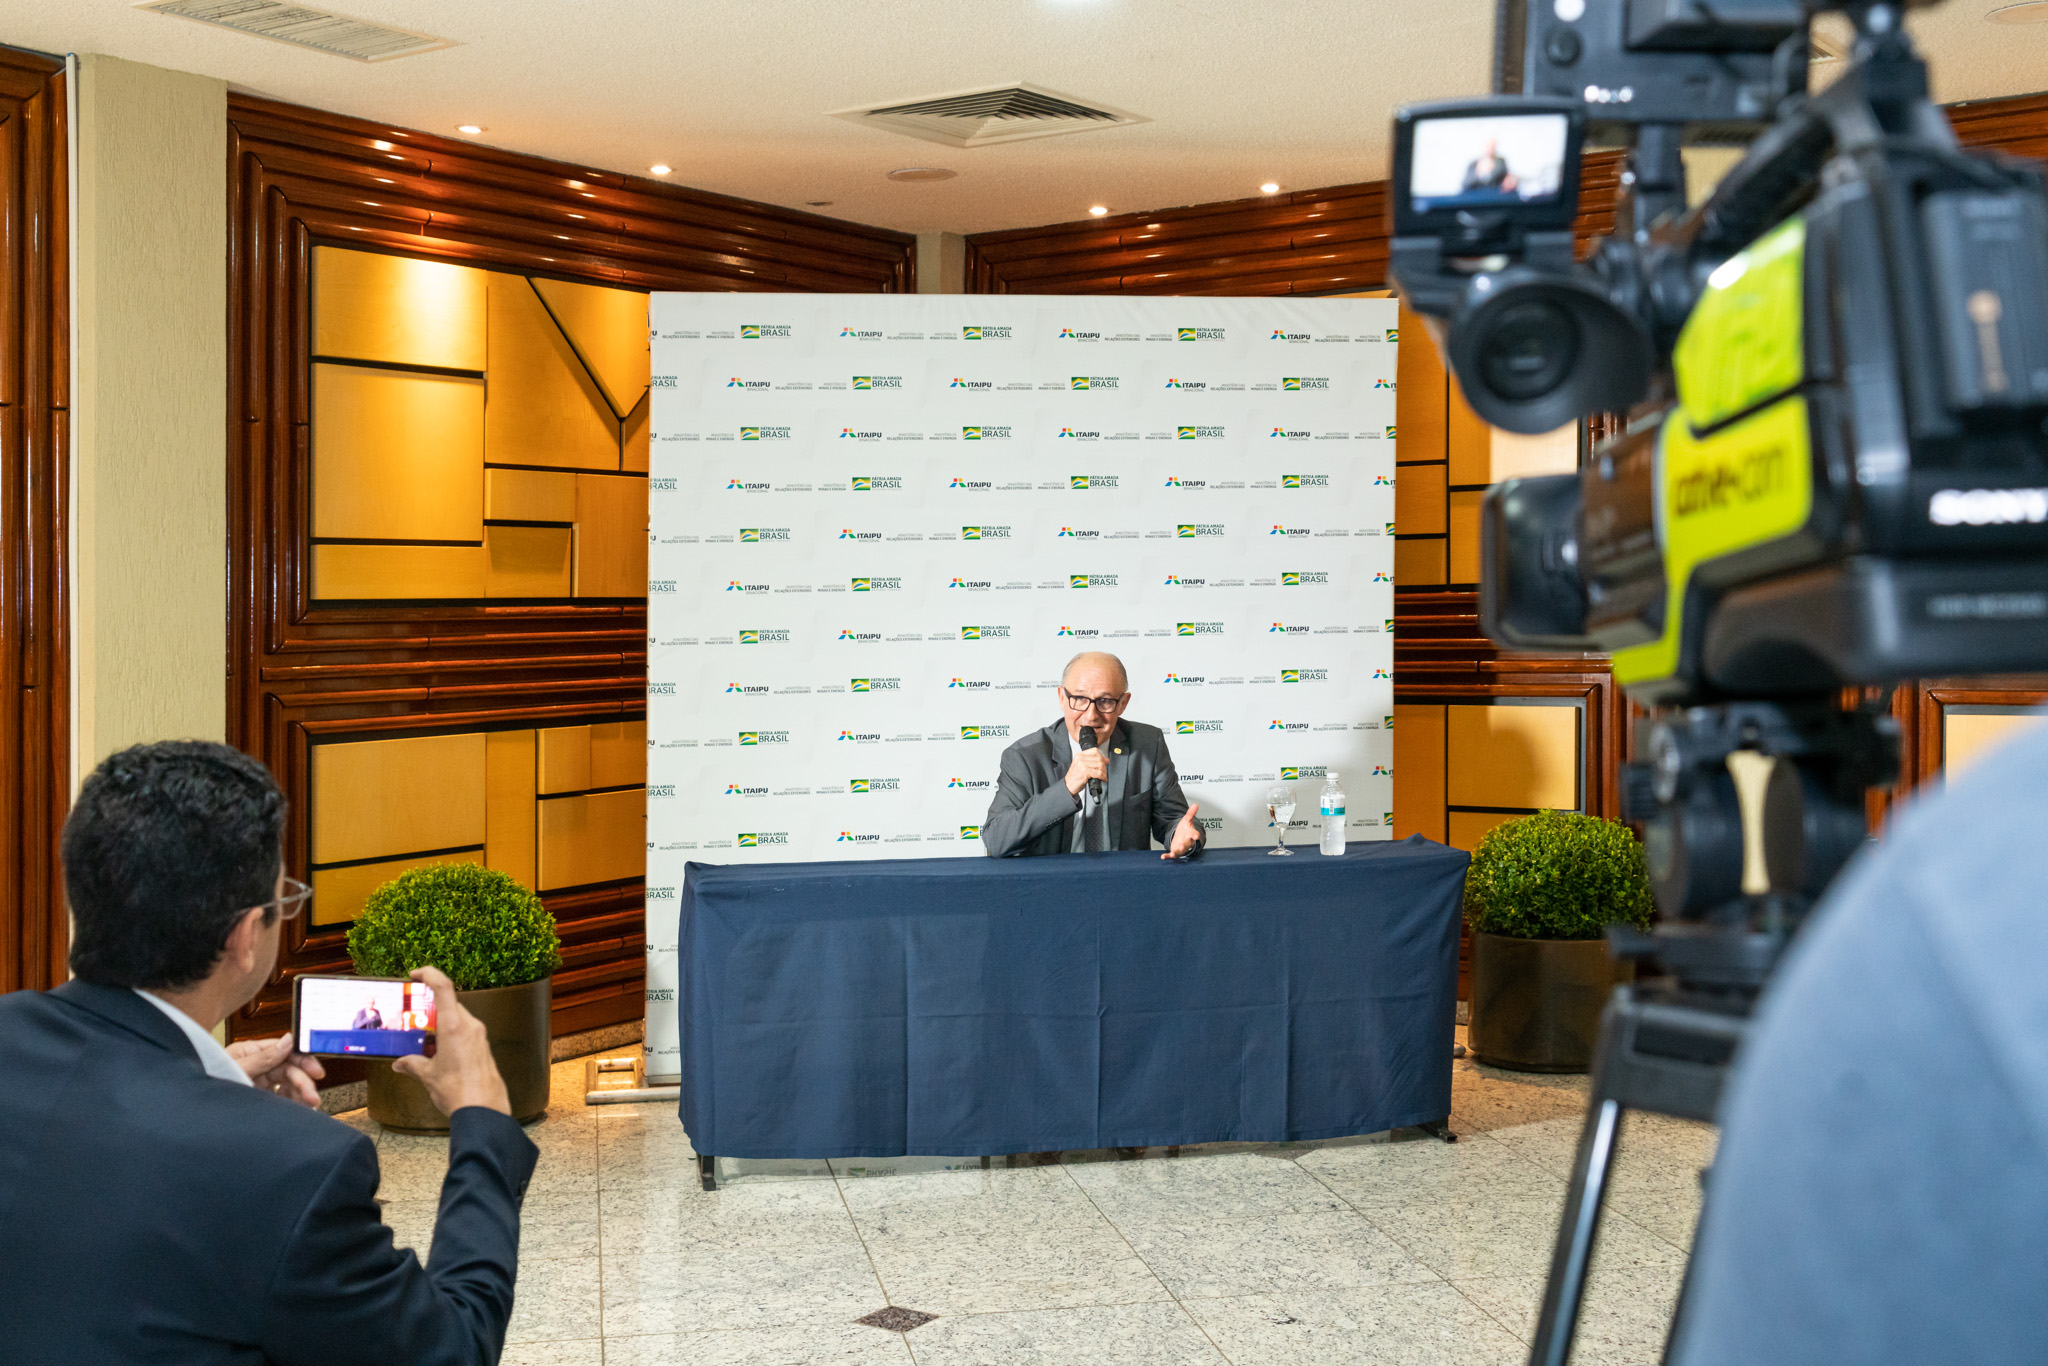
(212, 1056)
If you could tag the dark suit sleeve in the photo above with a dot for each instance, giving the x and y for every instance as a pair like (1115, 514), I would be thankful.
(1021, 813)
(1169, 804)
(343, 1293)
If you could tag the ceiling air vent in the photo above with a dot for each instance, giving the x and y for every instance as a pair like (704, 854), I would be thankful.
(319, 29)
(1001, 113)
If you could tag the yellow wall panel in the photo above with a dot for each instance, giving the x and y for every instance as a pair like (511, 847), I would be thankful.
(399, 571)
(377, 798)
(509, 816)
(597, 838)
(563, 764)
(611, 536)
(1967, 737)
(1467, 828)
(1468, 441)
(527, 561)
(633, 439)
(397, 310)
(1419, 499)
(1418, 771)
(608, 328)
(1417, 564)
(1419, 391)
(1462, 520)
(1520, 457)
(529, 496)
(1512, 756)
(618, 754)
(397, 455)
(543, 407)
(339, 893)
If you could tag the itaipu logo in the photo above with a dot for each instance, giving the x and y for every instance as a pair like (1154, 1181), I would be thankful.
(1198, 334)
(971, 485)
(1278, 724)
(971, 785)
(861, 637)
(1077, 534)
(1198, 433)
(1382, 576)
(1282, 335)
(1383, 384)
(761, 331)
(984, 333)
(1197, 727)
(1198, 628)
(748, 689)
(1283, 629)
(737, 383)
(735, 586)
(862, 382)
(1078, 632)
(1186, 384)
(1186, 680)
(848, 837)
(969, 683)
(1294, 384)
(735, 790)
(962, 382)
(1279, 530)
(862, 737)
(1069, 334)
(847, 533)
(1382, 770)
(1184, 581)
(848, 332)
(1382, 673)
(1290, 434)
(742, 486)
(850, 434)
(1306, 481)
(972, 585)
(1174, 481)
(1070, 434)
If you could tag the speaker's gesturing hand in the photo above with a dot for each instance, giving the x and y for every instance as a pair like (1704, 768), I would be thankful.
(461, 1071)
(1186, 835)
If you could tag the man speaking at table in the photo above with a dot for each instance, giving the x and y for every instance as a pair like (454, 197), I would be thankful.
(1091, 781)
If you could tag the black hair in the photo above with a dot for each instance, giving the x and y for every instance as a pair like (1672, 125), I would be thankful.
(167, 846)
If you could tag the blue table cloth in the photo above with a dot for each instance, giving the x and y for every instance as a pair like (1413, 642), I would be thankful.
(983, 1006)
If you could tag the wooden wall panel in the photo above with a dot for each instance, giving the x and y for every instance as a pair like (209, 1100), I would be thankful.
(35, 440)
(363, 659)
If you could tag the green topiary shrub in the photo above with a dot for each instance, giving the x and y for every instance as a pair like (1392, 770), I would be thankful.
(476, 924)
(1557, 875)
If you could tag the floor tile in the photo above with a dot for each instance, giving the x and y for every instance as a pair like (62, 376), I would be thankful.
(1461, 1239)
(644, 1151)
(1268, 1253)
(1625, 1318)
(1229, 1186)
(969, 1275)
(1426, 1324)
(664, 1220)
(818, 1344)
(583, 1352)
(1159, 1334)
(554, 1300)
(1427, 1170)
(698, 1289)
(1024, 1202)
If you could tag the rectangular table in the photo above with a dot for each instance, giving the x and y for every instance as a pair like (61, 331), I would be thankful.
(982, 1006)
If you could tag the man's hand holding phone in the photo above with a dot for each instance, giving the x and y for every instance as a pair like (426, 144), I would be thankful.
(461, 1071)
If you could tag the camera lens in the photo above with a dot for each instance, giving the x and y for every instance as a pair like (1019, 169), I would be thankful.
(1534, 346)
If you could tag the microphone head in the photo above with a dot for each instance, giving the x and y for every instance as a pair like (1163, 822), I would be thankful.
(1087, 737)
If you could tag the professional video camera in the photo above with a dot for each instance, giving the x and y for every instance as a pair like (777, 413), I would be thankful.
(1834, 473)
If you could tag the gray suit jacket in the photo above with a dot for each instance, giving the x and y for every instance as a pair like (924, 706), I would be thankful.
(1033, 813)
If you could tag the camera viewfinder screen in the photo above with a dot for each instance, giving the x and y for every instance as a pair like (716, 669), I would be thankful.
(1487, 161)
(354, 1017)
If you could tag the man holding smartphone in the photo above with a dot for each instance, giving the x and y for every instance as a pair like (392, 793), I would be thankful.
(161, 1197)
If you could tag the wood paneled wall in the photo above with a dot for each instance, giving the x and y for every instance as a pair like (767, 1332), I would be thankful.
(35, 443)
(304, 672)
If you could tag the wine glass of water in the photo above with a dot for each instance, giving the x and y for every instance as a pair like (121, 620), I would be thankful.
(1280, 806)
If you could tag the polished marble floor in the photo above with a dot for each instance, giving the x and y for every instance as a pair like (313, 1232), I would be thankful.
(1390, 1248)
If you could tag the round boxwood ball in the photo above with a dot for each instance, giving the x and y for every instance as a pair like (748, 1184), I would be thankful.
(476, 924)
(1557, 875)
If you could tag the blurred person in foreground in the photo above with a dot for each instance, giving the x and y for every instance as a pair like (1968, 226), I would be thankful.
(1881, 1190)
(163, 1198)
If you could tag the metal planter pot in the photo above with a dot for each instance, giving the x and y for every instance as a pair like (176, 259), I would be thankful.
(517, 1019)
(1536, 1003)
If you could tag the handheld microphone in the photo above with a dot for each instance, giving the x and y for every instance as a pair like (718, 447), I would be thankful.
(1088, 743)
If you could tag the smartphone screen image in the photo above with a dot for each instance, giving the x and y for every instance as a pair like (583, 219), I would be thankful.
(362, 1017)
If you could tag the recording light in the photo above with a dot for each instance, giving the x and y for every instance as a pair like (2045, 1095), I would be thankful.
(1098, 211)
(470, 128)
(1269, 188)
(659, 169)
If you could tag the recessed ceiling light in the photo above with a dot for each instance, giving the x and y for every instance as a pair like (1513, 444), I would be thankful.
(1098, 210)
(2027, 12)
(470, 128)
(1269, 188)
(658, 169)
(922, 173)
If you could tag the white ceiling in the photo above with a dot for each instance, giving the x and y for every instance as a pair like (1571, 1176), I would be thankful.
(735, 94)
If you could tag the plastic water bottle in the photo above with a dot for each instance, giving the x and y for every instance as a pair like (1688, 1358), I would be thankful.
(1333, 815)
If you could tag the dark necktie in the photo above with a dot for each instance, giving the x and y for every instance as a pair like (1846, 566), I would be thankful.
(1095, 827)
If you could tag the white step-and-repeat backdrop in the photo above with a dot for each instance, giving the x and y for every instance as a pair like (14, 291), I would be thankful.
(880, 524)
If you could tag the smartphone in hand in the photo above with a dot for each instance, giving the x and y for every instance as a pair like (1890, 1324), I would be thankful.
(362, 1017)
